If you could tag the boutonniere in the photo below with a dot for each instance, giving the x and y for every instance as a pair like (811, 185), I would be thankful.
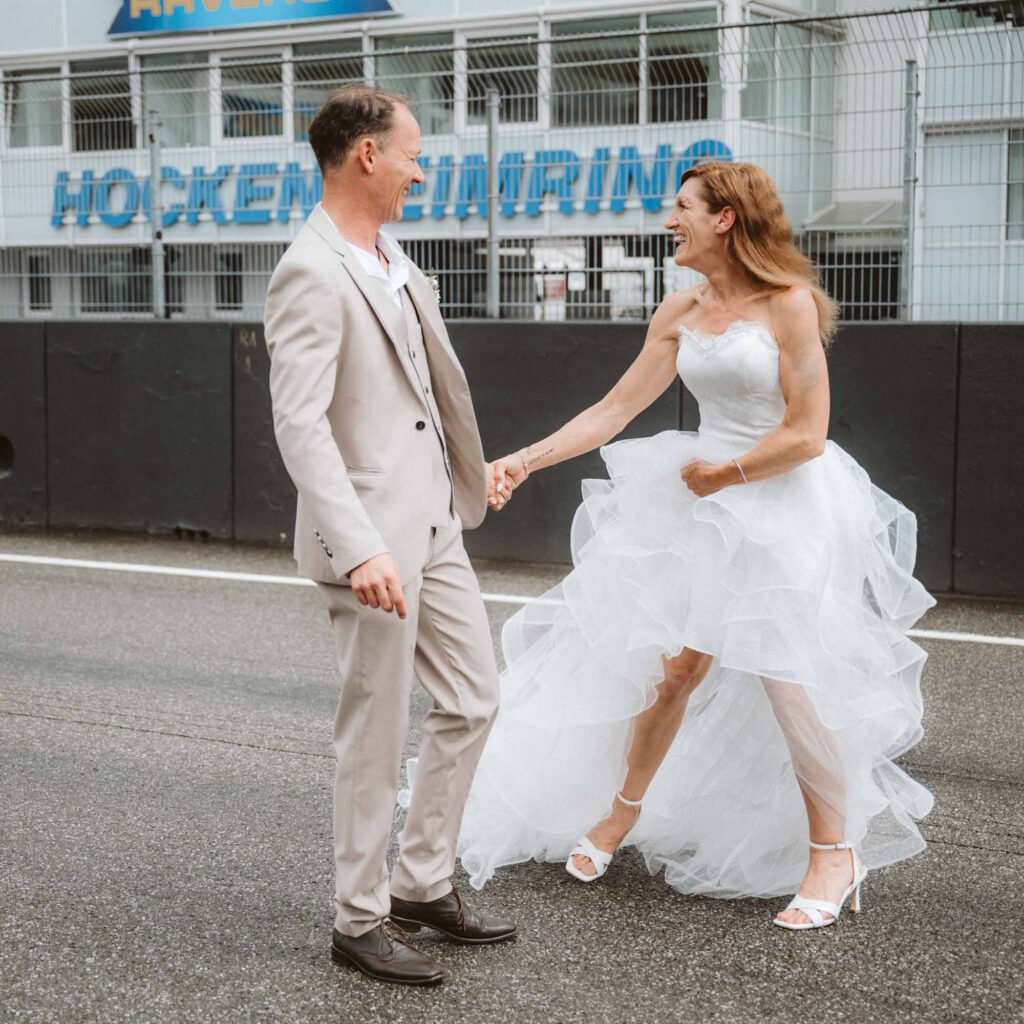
(431, 276)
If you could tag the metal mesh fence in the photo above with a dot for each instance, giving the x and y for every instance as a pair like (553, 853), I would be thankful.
(896, 139)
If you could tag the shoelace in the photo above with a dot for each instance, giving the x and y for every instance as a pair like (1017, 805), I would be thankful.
(393, 933)
(460, 917)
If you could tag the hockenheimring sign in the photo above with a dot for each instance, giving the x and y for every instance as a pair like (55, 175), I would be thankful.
(266, 191)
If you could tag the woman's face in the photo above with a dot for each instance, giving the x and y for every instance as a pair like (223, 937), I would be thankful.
(697, 232)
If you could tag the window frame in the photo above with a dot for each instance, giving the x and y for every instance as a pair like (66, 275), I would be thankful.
(263, 54)
(8, 74)
(133, 103)
(526, 34)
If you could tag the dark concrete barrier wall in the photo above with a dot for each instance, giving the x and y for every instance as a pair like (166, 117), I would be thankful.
(989, 548)
(894, 410)
(527, 383)
(159, 426)
(264, 502)
(23, 424)
(139, 426)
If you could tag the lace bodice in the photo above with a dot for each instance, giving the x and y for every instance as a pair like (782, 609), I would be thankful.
(734, 375)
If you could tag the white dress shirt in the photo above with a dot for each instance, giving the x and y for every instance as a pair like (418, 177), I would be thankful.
(395, 277)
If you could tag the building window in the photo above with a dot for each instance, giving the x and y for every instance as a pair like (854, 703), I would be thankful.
(319, 69)
(595, 80)
(40, 296)
(251, 92)
(101, 105)
(176, 272)
(510, 66)
(974, 16)
(864, 280)
(778, 79)
(115, 280)
(682, 68)
(422, 68)
(228, 282)
(758, 103)
(1015, 186)
(177, 87)
(32, 99)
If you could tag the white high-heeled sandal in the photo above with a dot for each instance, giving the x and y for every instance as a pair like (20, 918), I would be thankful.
(815, 909)
(599, 858)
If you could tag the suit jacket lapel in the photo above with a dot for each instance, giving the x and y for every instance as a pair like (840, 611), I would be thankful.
(388, 314)
(422, 298)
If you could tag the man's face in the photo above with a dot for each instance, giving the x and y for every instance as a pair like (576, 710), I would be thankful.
(396, 168)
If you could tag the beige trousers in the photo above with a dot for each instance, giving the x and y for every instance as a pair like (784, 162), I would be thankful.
(446, 641)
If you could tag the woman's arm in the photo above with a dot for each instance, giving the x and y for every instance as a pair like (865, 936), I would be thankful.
(647, 378)
(804, 378)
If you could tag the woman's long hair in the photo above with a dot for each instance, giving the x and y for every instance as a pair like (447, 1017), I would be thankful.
(760, 239)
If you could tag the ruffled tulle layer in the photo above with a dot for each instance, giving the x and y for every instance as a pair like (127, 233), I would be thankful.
(801, 588)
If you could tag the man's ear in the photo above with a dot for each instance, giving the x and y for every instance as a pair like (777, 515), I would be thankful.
(366, 153)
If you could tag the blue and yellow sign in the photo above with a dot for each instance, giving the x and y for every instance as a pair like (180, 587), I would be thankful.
(142, 17)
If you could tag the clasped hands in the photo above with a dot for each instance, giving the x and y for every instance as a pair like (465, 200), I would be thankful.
(503, 477)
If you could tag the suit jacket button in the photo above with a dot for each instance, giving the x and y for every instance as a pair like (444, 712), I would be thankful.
(420, 425)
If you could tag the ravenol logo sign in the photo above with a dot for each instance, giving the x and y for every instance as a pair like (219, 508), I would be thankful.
(258, 193)
(139, 17)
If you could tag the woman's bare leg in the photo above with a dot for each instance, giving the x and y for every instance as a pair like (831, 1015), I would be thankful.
(818, 765)
(652, 734)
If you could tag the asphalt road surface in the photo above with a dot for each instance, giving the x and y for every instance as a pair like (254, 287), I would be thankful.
(165, 848)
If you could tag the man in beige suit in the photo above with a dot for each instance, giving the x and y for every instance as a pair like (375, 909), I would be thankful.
(374, 421)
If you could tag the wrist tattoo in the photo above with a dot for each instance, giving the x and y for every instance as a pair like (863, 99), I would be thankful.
(529, 461)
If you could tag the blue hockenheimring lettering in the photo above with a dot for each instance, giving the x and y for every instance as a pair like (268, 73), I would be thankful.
(259, 193)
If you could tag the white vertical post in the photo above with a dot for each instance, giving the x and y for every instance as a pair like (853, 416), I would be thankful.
(156, 214)
(493, 268)
(909, 183)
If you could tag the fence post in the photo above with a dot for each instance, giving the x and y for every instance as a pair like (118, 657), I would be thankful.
(493, 267)
(909, 185)
(156, 214)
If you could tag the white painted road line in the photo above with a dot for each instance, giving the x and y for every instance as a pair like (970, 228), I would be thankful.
(297, 581)
(218, 574)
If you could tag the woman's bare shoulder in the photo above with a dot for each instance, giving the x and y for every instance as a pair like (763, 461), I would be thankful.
(794, 313)
(672, 309)
(795, 302)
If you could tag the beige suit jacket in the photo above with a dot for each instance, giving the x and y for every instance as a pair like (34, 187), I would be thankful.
(346, 404)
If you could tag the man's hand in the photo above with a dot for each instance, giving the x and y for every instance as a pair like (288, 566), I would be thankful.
(376, 582)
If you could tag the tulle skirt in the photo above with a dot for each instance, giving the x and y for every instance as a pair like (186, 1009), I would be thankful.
(801, 589)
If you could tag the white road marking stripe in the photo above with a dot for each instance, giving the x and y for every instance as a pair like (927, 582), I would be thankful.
(297, 581)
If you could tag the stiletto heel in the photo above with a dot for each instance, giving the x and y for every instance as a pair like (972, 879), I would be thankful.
(855, 901)
(816, 909)
(599, 858)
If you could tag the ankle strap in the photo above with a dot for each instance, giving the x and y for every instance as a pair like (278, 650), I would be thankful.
(628, 803)
(830, 846)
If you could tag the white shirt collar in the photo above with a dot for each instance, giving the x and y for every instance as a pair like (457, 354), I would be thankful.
(396, 276)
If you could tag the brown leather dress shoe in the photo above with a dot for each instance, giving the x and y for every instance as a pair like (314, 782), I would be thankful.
(450, 916)
(387, 954)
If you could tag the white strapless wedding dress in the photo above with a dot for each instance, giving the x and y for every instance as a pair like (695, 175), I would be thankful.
(801, 588)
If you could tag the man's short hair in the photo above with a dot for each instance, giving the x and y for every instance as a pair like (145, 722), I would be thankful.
(346, 115)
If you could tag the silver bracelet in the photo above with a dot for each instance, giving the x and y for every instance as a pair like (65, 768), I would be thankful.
(740, 468)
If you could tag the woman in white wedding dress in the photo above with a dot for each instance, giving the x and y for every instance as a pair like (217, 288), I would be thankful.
(730, 648)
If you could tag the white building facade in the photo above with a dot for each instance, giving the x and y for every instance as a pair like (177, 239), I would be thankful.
(896, 139)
